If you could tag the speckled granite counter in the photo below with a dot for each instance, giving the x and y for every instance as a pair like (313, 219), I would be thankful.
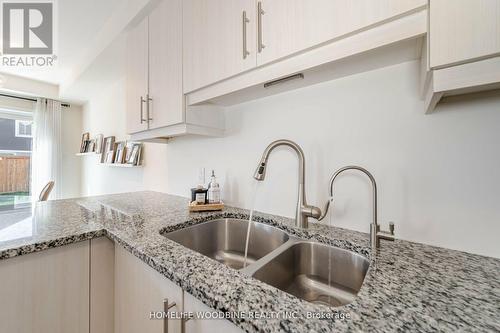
(413, 287)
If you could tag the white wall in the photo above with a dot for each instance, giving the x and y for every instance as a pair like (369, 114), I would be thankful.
(104, 113)
(104, 86)
(437, 174)
(71, 164)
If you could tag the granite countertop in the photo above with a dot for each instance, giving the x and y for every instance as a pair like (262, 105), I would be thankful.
(412, 287)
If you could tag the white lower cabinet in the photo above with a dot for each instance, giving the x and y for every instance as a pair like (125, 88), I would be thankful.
(46, 291)
(97, 287)
(198, 325)
(139, 292)
(102, 282)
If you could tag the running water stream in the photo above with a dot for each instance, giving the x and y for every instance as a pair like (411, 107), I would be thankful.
(330, 218)
(252, 206)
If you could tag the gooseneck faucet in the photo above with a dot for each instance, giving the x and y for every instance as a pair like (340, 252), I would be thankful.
(375, 233)
(303, 210)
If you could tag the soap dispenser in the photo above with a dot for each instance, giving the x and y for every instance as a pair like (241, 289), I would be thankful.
(199, 194)
(213, 190)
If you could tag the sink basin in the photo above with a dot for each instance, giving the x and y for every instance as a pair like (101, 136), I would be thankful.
(316, 273)
(224, 240)
(312, 271)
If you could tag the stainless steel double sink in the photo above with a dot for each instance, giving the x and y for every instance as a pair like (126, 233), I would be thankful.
(312, 271)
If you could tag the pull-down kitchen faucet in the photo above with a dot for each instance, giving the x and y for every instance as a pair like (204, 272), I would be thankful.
(375, 233)
(303, 210)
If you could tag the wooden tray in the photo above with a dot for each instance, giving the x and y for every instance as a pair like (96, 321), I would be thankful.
(194, 207)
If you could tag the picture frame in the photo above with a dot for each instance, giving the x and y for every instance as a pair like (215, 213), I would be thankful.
(98, 144)
(107, 148)
(110, 156)
(89, 146)
(85, 138)
(128, 150)
(133, 153)
(120, 148)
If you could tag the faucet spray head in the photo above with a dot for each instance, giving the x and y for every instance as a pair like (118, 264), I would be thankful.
(260, 172)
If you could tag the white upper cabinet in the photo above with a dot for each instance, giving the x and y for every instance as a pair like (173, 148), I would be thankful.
(464, 49)
(166, 102)
(137, 77)
(290, 26)
(218, 41)
(463, 31)
(225, 39)
(154, 69)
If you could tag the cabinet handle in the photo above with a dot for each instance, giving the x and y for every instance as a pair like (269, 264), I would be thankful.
(183, 324)
(166, 307)
(142, 118)
(260, 12)
(245, 21)
(148, 99)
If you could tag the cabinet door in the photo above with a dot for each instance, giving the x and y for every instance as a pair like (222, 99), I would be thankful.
(137, 77)
(102, 282)
(139, 291)
(194, 325)
(463, 30)
(47, 291)
(166, 106)
(290, 26)
(214, 40)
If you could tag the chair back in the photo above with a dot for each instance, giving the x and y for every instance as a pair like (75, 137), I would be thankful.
(44, 194)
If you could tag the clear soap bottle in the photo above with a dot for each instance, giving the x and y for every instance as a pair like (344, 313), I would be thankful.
(213, 190)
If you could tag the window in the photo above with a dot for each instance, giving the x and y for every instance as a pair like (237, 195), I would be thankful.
(24, 128)
(15, 162)
(16, 131)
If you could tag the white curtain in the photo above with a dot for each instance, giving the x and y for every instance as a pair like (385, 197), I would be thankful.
(46, 151)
